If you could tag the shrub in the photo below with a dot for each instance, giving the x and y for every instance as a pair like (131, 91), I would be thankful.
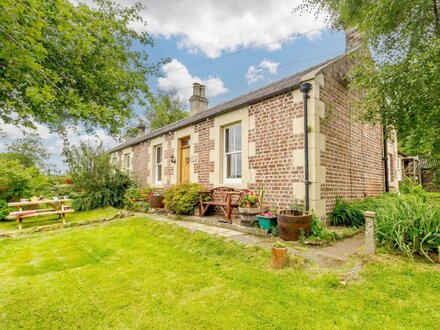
(101, 182)
(136, 198)
(182, 198)
(18, 182)
(111, 193)
(411, 187)
(4, 209)
(411, 224)
(346, 214)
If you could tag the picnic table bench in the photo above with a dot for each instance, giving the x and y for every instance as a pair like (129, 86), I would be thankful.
(224, 197)
(57, 207)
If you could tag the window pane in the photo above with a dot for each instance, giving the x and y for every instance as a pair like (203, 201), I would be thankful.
(228, 139)
(159, 173)
(237, 138)
(158, 155)
(228, 166)
(238, 155)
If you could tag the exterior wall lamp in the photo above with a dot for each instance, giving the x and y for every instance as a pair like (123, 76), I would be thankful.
(173, 159)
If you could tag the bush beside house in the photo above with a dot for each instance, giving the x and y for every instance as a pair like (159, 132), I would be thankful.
(182, 198)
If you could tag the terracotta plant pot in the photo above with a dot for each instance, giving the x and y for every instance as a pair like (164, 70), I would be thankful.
(156, 202)
(291, 223)
(279, 257)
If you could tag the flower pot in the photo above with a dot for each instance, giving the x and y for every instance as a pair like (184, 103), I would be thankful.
(156, 202)
(291, 223)
(279, 257)
(267, 223)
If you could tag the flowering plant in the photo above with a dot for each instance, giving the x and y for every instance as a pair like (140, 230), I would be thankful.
(248, 199)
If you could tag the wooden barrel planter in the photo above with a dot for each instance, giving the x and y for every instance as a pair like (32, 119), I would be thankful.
(291, 223)
(248, 215)
(156, 201)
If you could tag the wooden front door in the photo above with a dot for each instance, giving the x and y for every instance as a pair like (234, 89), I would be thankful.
(184, 161)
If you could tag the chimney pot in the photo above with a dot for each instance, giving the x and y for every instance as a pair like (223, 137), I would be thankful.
(353, 39)
(141, 128)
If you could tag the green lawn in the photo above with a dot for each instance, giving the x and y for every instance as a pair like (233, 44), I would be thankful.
(137, 273)
(54, 219)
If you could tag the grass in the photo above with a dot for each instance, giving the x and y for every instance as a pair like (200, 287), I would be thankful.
(32, 222)
(137, 273)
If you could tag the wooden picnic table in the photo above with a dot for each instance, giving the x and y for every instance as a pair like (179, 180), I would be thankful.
(57, 207)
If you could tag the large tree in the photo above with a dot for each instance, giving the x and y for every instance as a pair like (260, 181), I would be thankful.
(29, 151)
(65, 64)
(165, 108)
(401, 82)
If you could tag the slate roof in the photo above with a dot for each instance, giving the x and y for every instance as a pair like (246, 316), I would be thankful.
(273, 89)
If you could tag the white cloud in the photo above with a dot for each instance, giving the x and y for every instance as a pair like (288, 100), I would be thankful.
(256, 73)
(215, 27)
(12, 132)
(177, 76)
(75, 138)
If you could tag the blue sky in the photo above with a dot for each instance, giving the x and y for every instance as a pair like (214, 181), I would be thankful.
(192, 31)
(295, 55)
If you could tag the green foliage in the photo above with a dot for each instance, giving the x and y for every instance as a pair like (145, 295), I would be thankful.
(346, 214)
(400, 87)
(136, 198)
(410, 224)
(29, 151)
(182, 198)
(411, 187)
(18, 182)
(279, 245)
(64, 63)
(4, 209)
(164, 109)
(101, 182)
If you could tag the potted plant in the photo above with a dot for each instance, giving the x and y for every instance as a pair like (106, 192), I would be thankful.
(248, 207)
(279, 255)
(155, 199)
(294, 222)
(267, 221)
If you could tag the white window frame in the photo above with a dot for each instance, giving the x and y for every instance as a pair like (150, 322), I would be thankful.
(127, 162)
(225, 154)
(389, 167)
(156, 164)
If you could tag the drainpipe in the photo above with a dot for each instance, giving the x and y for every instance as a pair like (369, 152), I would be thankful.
(305, 89)
(385, 159)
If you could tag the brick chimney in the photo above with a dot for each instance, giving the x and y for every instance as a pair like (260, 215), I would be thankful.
(198, 102)
(141, 128)
(353, 39)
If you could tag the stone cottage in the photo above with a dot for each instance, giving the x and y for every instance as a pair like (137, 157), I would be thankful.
(257, 139)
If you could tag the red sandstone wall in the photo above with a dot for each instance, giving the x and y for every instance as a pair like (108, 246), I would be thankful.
(353, 154)
(274, 141)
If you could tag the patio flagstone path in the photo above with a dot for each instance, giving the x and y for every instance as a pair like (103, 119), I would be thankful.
(328, 256)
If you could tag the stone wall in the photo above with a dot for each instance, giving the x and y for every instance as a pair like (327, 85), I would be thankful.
(275, 139)
(202, 149)
(141, 160)
(353, 155)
